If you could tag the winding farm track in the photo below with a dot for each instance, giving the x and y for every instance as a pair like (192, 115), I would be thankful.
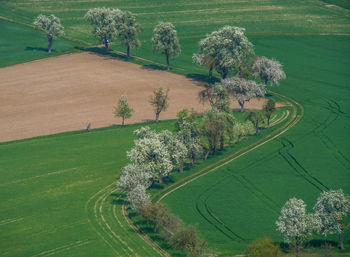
(295, 116)
(107, 209)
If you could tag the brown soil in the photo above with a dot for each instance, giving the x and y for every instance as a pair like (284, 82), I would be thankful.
(66, 93)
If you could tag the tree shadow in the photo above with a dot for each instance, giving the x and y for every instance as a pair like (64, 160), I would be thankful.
(107, 54)
(200, 78)
(153, 67)
(319, 243)
(42, 49)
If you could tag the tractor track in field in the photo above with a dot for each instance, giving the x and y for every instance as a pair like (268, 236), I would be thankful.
(115, 232)
(295, 117)
(107, 216)
(119, 232)
(213, 219)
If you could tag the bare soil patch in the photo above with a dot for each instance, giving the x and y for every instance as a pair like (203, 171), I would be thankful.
(66, 93)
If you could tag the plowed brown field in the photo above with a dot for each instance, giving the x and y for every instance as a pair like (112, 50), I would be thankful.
(66, 93)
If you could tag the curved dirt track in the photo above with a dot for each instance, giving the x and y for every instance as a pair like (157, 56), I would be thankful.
(66, 93)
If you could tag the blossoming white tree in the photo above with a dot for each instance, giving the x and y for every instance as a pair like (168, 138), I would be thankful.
(224, 50)
(138, 196)
(104, 21)
(177, 150)
(165, 40)
(294, 223)
(133, 175)
(330, 210)
(268, 71)
(243, 90)
(51, 26)
(153, 155)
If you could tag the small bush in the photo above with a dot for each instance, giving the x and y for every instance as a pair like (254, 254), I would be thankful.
(263, 247)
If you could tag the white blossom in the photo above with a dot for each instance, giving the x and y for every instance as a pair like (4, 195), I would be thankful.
(294, 223)
(243, 90)
(133, 175)
(177, 150)
(153, 155)
(330, 211)
(138, 196)
(268, 70)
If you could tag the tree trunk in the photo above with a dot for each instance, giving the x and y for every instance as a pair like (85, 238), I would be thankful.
(157, 115)
(211, 72)
(241, 103)
(160, 179)
(105, 41)
(181, 168)
(128, 52)
(268, 121)
(123, 121)
(206, 155)
(341, 245)
(222, 142)
(214, 149)
(49, 47)
(257, 128)
(193, 159)
(167, 62)
(224, 74)
(297, 245)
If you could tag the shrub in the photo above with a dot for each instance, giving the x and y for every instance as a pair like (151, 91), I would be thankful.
(263, 247)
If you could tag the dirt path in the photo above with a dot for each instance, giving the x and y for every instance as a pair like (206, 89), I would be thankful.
(66, 93)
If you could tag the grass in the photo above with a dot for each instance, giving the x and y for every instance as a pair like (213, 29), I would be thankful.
(20, 44)
(193, 20)
(311, 157)
(51, 201)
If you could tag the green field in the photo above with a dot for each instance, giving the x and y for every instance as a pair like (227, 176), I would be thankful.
(192, 19)
(20, 44)
(54, 190)
(51, 203)
(241, 201)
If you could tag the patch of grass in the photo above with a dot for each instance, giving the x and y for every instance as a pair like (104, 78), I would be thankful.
(20, 44)
(48, 193)
(241, 201)
(339, 3)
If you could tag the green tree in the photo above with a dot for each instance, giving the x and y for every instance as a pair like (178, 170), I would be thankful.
(188, 239)
(269, 108)
(165, 40)
(216, 95)
(263, 247)
(256, 118)
(159, 101)
(188, 133)
(128, 31)
(331, 209)
(104, 21)
(226, 50)
(51, 26)
(216, 127)
(123, 109)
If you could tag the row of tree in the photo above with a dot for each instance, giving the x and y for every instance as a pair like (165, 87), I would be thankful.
(156, 154)
(172, 229)
(226, 50)
(159, 101)
(297, 226)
